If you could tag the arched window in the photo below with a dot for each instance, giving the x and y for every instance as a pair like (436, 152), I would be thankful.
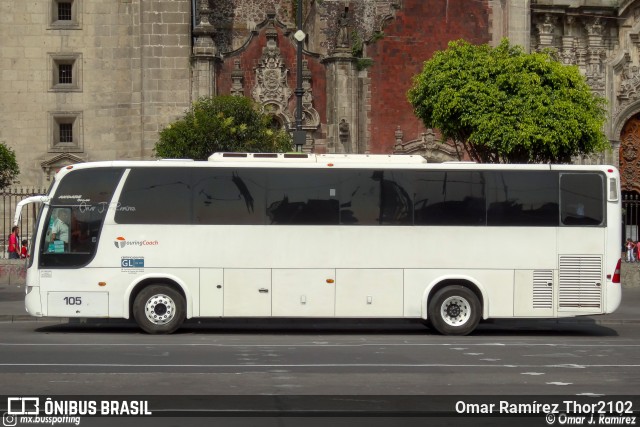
(276, 123)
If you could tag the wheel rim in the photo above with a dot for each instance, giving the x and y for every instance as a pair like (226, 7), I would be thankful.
(455, 311)
(160, 309)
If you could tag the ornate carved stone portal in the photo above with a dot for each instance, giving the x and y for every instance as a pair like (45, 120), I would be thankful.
(630, 155)
(271, 88)
(428, 146)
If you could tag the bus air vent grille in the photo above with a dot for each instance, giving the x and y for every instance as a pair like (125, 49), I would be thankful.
(580, 281)
(543, 289)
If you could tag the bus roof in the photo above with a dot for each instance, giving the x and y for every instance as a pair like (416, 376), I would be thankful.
(337, 161)
(316, 158)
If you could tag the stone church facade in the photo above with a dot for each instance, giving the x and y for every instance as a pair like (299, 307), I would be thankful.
(90, 80)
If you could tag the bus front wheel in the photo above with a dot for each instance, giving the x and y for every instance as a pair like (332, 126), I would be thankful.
(159, 309)
(454, 310)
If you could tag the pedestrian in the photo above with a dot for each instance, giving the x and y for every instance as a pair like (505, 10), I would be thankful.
(631, 246)
(24, 253)
(14, 247)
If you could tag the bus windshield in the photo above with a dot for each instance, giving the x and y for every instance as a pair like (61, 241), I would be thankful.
(76, 213)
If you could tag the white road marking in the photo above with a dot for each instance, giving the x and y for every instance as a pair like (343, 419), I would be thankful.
(164, 344)
(311, 365)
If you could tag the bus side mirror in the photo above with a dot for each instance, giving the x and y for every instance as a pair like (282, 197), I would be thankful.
(27, 201)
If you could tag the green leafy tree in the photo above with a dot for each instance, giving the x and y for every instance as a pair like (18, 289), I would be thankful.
(9, 169)
(221, 124)
(506, 106)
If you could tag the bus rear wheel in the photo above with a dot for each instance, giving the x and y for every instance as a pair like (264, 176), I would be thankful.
(454, 310)
(159, 309)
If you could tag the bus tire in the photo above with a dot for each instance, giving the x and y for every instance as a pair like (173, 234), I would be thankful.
(159, 309)
(454, 310)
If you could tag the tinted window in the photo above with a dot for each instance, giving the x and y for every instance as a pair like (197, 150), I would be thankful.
(396, 198)
(449, 198)
(156, 196)
(229, 196)
(522, 198)
(87, 186)
(582, 199)
(303, 197)
(360, 197)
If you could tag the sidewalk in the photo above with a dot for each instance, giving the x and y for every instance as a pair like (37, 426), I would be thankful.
(12, 304)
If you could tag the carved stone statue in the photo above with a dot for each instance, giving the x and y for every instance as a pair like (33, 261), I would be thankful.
(343, 39)
(343, 130)
(343, 134)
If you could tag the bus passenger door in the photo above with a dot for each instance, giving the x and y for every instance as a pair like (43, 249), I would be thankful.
(247, 292)
(211, 292)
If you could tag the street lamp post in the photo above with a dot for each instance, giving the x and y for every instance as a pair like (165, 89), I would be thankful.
(299, 136)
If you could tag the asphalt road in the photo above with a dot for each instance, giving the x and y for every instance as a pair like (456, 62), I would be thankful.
(381, 367)
(399, 371)
(370, 359)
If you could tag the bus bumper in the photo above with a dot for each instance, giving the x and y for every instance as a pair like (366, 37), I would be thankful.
(614, 297)
(32, 301)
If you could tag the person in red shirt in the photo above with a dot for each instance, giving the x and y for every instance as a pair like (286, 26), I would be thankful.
(23, 251)
(14, 247)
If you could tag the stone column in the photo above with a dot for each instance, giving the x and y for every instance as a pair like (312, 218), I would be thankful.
(596, 53)
(342, 102)
(205, 54)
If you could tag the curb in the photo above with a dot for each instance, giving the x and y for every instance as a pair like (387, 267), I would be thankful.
(8, 318)
(492, 322)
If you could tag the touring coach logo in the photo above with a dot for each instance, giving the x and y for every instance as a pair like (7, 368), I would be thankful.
(121, 242)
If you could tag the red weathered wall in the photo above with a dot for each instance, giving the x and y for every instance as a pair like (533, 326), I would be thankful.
(420, 28)
(250, 58)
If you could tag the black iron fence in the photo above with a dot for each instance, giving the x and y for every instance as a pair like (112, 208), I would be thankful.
(630, 216)
(9, 198)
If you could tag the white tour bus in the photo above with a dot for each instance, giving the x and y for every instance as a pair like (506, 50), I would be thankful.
(326, 236)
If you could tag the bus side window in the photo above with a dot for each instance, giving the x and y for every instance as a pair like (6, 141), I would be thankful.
(308, 199)
(581, 199)
(522, 198)
(156, 196)
(449, 198)
(229, 196)
(85, 228)
(360, 197)
(396, 203)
